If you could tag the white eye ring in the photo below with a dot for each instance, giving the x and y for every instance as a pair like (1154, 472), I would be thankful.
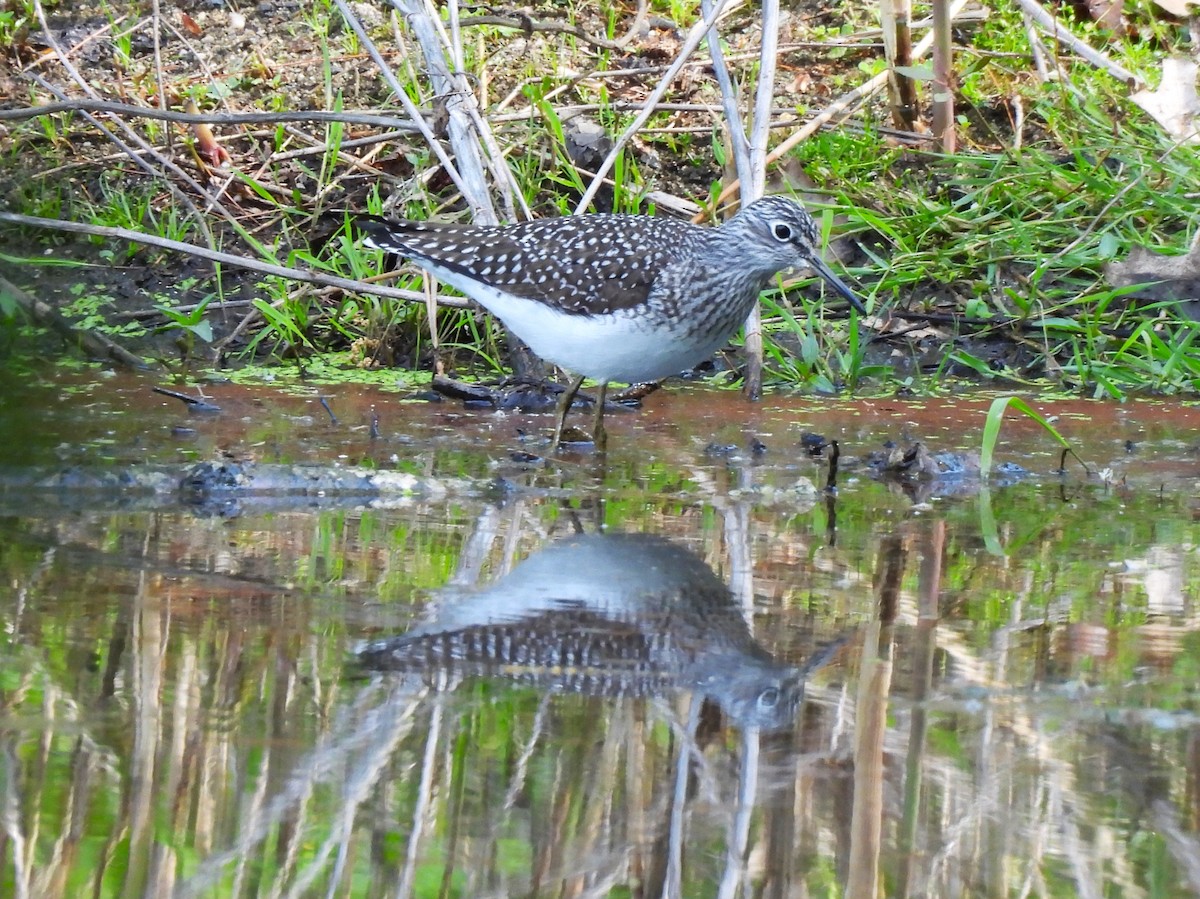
(781, 230)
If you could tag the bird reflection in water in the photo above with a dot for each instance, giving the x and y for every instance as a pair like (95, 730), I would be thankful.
(613, 615)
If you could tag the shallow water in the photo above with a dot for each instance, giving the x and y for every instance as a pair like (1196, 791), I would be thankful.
(942, 689)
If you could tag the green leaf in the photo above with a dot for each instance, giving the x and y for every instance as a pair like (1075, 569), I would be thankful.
(991, 430)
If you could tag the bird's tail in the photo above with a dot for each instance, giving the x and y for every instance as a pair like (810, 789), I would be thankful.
(379, 233)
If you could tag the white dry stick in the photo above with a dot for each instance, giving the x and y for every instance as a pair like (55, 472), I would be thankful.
(753, 340)
(694, 36)
(159, 80)
(425, 25)
(493, 156)
(1018, 106)
(254, 265)
(739, 145)
(467, 132)
(398, 89)
(1036, 49)
(743, 157)
(763, 102)
(454, 42)
(942, 86)
(1051, 26)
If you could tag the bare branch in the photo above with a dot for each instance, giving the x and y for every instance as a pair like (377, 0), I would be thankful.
(696, 34)
(351, 117)
(255, 265)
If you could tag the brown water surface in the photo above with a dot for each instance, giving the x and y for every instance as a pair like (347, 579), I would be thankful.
(686, 673)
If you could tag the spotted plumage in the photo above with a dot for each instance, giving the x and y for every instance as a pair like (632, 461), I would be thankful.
(617, 297)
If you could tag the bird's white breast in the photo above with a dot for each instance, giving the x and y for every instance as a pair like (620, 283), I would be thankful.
(618, 347)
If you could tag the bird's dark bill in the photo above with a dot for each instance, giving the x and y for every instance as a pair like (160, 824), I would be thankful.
(837, 283)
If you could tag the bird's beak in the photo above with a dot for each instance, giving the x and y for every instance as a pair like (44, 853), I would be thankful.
(817, 264)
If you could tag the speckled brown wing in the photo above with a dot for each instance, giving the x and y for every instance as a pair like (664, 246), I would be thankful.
(583, 265)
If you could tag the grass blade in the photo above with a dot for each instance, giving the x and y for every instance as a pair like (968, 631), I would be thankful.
(991, 430)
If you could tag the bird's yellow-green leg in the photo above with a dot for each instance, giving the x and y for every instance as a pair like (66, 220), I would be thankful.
(599, 435)
(560, 411)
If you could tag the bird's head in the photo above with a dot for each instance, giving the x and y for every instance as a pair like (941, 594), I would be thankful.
(780, 234)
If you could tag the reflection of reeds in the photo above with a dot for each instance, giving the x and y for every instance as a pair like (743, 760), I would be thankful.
(187, 727)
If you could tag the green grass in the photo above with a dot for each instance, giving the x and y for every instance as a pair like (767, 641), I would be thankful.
(1019, 238)
(1008, 237)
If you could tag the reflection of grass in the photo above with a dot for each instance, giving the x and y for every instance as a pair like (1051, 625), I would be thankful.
(230, 695)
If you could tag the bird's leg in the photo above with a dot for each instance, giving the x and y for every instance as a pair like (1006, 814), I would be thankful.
(560, 411)
(599, 435)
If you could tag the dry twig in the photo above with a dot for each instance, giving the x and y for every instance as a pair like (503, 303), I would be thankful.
(696, 34)
(255, 265)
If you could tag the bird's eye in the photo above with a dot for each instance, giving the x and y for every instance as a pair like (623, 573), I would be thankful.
(781, 230)
(768, 698)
